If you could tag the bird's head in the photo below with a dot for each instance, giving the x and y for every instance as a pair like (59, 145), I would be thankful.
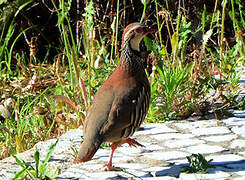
(133, 34)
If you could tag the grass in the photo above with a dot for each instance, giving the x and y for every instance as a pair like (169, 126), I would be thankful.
(181, 92)
(181, 80)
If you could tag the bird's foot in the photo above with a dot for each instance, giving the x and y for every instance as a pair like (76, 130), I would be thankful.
(109, 167)
(132, 142)
(76, 161)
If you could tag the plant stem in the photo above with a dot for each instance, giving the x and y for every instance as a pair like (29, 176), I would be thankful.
(117, 21)
(143, 14)
(158, 23)
(215, 7)
(222, 30)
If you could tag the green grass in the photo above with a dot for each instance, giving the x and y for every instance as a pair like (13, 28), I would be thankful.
(178, 92)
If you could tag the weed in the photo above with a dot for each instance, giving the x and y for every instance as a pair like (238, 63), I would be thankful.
(42, 170)
(197, 164)
(171, 81)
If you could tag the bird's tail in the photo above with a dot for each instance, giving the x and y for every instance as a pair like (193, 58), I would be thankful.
(87, 149)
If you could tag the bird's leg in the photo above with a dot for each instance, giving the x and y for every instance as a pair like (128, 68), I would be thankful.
(129, 141)
(108, 166)
(132, 142)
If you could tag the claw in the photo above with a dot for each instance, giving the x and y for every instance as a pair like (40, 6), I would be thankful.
(132, 142)
(109, 167)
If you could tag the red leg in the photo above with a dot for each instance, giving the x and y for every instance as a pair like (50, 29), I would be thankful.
(108, 166)
(129, 141)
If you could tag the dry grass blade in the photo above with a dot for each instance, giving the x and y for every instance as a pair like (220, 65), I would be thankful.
(84, 91)
(66, 101)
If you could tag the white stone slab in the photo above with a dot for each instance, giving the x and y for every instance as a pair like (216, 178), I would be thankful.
(239, 130)
(241, 173)
(108, 175)
(242, 153)
(132, 165)
(196, 124)
(238, 143)
(166, 155)
(214, 175)
(161, 178)
(154, 129)
(130, 151)
(238, 178)
(168, 136)
(118, 158)
(5, 175)
(103, 155)
(92, 167)
(224, 159)
(72, 135)
(154, 169)
(136, 173)
(179, 162)
(220, 138)
(210, 131)
(153, 147)
(133, 151)
(72, 173)
(203, 149)
(182, 143)
(234, 121)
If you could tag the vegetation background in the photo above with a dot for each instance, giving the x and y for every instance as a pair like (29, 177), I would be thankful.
(54, 54)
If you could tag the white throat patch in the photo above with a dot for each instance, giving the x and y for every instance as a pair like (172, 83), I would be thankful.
(135, 42)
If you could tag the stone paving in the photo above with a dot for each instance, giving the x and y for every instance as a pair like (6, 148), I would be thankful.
(164, 153)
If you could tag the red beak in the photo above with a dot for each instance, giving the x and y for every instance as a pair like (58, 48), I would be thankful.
(149, 30)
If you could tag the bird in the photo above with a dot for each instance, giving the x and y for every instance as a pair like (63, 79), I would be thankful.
(121, 103)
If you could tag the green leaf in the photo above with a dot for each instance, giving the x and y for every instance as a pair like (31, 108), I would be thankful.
(22, 163)
(152, 46)
(21, 174)
(22, 6)
(50, 152)
(19, 161)
(145, 1)
(3, 1)
(174, 42)
(26, 167)
(37, 161)
(203, 18)
(197, 164)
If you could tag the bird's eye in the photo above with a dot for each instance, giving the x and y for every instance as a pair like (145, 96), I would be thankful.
(138, 30)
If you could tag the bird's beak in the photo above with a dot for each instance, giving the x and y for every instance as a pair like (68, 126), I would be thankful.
(149, 31)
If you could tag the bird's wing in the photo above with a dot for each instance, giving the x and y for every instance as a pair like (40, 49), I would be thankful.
(127, 112)
(96, 118)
